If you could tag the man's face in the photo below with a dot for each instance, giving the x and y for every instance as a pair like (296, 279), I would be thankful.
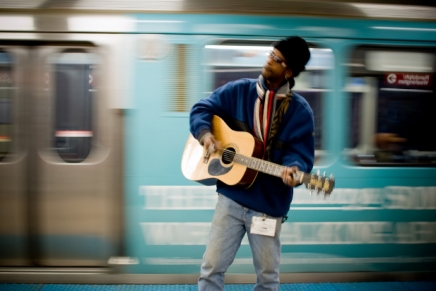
(275, 68)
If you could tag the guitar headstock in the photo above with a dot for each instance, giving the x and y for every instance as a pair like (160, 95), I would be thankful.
(318, 183)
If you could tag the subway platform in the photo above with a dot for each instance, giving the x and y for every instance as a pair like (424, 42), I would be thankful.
(358, 286)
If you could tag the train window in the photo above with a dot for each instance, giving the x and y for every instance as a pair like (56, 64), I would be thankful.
(6, 87)
(73, 72)
(232, 60)
(392, 102)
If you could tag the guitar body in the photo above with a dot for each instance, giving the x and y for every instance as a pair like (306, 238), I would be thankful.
(217, 166)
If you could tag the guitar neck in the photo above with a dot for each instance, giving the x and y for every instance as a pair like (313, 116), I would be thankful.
(262, 166)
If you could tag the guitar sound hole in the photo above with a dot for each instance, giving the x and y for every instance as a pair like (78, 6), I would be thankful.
(228, 155)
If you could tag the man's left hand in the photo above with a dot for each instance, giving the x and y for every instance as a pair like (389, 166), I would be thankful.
(287, 176)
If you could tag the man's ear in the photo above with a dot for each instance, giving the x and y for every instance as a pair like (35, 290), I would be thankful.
(288, 73)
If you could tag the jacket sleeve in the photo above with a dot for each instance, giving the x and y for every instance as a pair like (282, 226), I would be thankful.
(220, 103)
(300, 148)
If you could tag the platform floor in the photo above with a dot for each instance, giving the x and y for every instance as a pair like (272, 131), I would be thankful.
(360, 286)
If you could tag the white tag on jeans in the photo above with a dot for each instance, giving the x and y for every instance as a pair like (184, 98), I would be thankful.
(263, 226)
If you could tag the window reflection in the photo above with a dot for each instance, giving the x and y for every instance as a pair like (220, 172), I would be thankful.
(74, 74)
(6, 91)
(392, 110)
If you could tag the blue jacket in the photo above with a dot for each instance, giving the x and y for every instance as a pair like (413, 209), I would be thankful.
(234, 103)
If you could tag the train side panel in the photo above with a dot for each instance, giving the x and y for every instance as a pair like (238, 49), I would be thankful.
(379, 217)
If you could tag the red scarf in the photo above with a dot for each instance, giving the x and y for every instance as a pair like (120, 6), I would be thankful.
(265, 107)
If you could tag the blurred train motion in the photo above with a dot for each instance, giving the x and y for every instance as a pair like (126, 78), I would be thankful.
(94, 108)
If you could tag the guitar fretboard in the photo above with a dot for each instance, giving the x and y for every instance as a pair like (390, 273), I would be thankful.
(259, 165)
(256, 164)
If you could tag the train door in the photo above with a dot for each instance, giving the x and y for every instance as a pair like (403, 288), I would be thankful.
(60, 161)
(13, 214)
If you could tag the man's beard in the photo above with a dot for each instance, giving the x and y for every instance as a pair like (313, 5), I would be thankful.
(269, 76)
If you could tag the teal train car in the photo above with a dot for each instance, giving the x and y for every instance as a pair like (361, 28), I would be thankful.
(94, 109)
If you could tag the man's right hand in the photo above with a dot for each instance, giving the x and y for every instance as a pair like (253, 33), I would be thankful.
(210, 144)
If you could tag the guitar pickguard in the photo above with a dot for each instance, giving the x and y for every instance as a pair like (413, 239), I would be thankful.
(215, 168)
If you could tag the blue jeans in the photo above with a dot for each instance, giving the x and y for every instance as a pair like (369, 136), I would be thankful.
(230, 223)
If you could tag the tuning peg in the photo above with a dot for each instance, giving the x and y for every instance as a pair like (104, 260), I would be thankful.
(332, 177)
(326, 185)
(320, 183)
(324, 174)
(317, 172)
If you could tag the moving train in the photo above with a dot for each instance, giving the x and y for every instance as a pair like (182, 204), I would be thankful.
(94, 107)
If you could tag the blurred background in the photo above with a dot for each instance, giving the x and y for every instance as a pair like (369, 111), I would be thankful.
(94, 108)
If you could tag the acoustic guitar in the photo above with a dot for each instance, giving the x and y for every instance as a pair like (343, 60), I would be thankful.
(238, 162)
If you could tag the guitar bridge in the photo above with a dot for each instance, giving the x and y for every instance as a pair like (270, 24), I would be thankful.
(206, 157)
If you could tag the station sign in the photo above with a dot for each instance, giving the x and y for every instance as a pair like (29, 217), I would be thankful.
(409, 79)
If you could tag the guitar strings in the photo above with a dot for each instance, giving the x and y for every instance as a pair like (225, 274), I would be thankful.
(229, 155)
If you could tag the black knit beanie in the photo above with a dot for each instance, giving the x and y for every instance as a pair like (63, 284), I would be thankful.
(296, 53)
